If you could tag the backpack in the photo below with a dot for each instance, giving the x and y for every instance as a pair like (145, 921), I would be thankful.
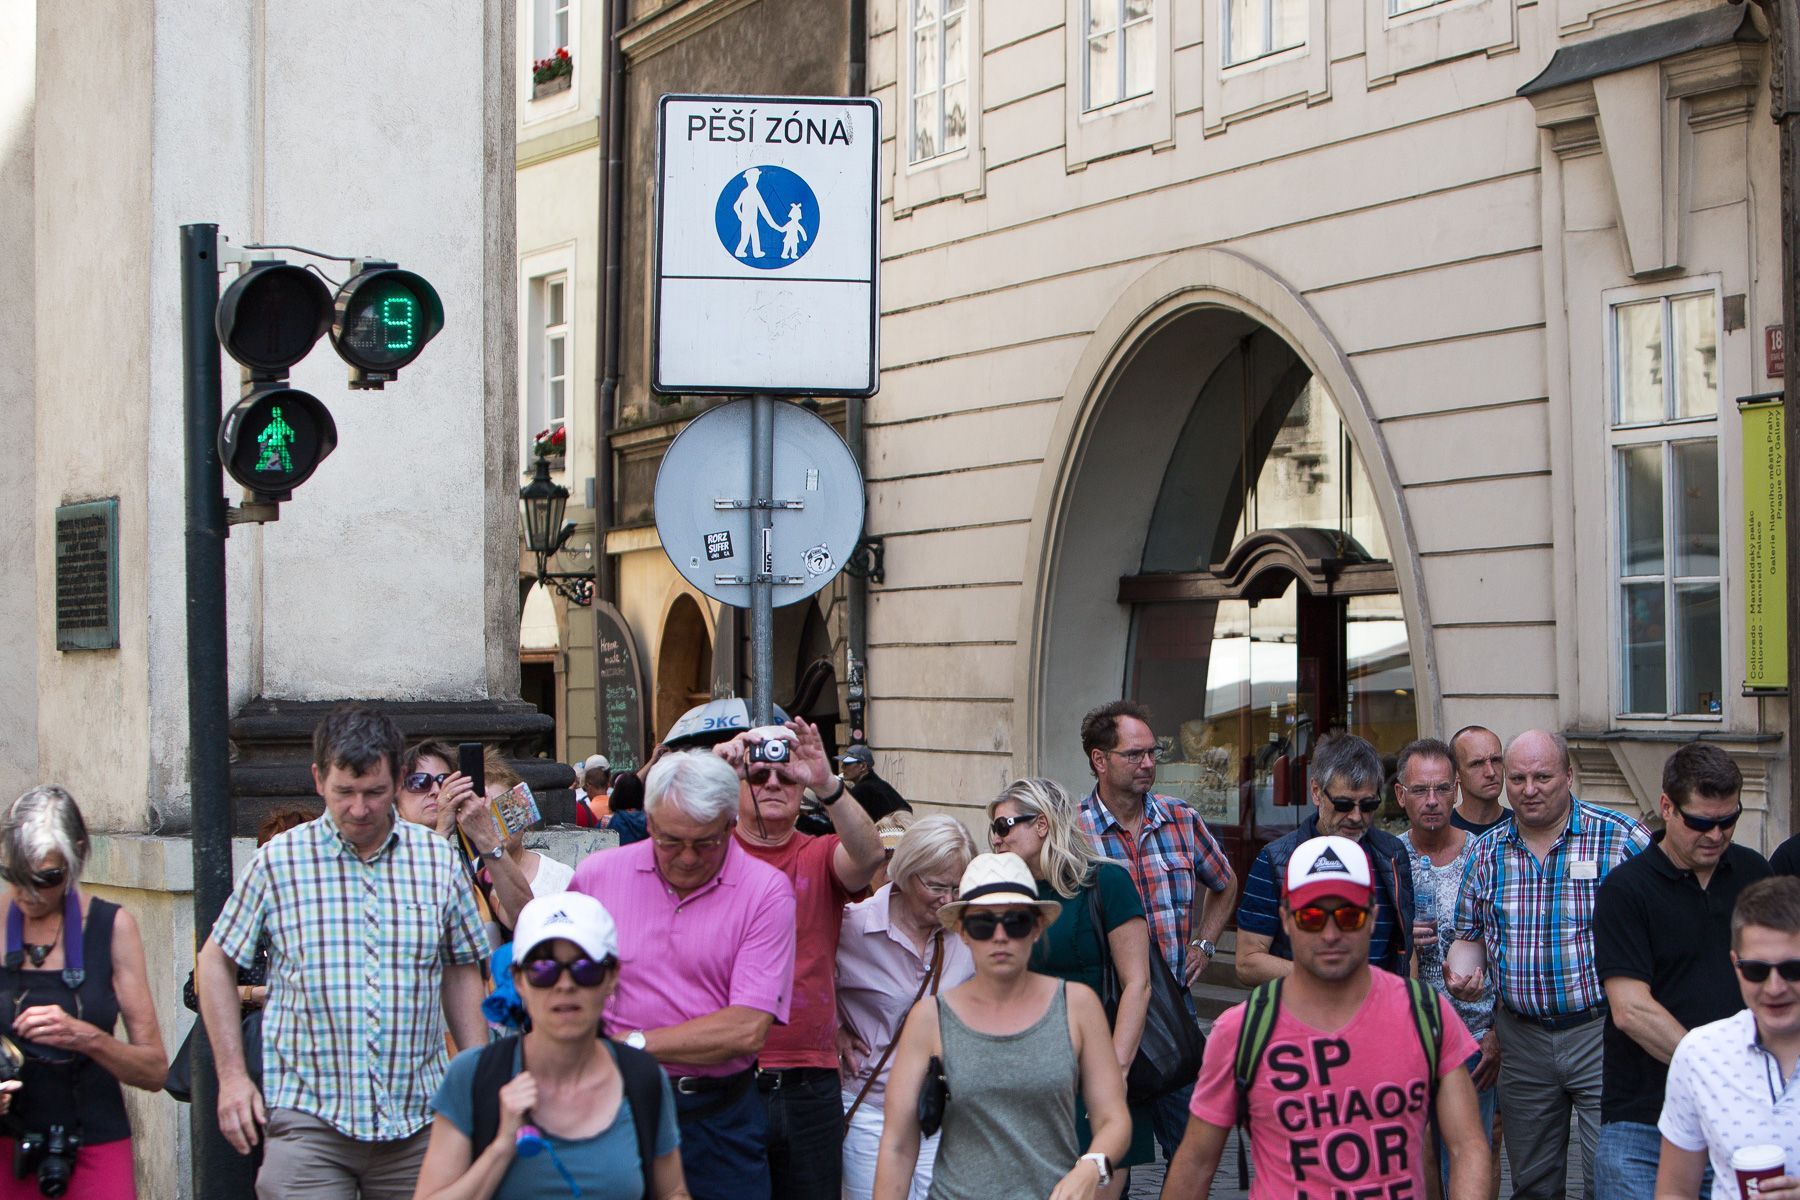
(1260, 1013)
(643, 1089)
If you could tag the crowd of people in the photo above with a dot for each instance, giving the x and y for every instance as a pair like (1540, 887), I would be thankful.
(800, 996)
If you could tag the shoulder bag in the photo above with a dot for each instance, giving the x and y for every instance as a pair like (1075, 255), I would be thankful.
(929, 983)
(1169, 1052)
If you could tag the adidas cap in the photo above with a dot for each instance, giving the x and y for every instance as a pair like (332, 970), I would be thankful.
(574, 916)
(1327, 866)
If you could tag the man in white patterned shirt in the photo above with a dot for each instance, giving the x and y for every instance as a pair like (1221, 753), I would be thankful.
(369, 923)
(1736, 1083)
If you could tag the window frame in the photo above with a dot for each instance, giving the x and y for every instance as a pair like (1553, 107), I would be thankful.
(1122, 71)
(536, 269)
(912, 92)
(1298, 75)
(1269, 50)
(1143, 121)
(1665, 434)
(537, 18)
(958, 172)
(552, 335)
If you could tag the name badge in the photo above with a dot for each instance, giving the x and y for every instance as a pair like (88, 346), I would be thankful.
(1584, 870)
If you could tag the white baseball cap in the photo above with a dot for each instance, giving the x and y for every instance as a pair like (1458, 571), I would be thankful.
(575, 916)
(595, 762)
(1328, 866)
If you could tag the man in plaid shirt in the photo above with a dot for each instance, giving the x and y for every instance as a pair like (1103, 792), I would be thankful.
(371, 924)
(1526, 912)
(1167, 848)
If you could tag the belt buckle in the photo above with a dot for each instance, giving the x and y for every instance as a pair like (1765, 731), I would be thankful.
(686, 1085)
(768, 1081)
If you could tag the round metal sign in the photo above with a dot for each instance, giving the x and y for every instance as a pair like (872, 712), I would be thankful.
(703, 512)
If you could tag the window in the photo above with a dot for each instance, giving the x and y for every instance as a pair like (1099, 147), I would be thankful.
(1396, 7)
(940, 78)
(1256, 28)
(552, 27)
(1121, 51)
(1665, 448)
(546, 348)
(556, 350)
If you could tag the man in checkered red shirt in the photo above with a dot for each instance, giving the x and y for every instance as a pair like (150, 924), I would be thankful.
(1168, 850)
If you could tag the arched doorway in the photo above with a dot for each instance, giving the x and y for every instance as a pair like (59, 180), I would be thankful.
(683, 663)
(1217, 493)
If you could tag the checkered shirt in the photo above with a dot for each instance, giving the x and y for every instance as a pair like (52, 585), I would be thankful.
(353, 1031)
(1537, 920)
(1174, 848)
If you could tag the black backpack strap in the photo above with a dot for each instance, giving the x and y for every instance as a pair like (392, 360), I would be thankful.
(643, 1077)
(493, 1071)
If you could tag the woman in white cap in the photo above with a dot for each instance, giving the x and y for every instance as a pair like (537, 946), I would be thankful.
(893, 951)
(557, 1111)
(1015, 1049)
(1036, 819)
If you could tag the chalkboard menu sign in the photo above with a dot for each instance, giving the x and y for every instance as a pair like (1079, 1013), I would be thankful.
(619, 689)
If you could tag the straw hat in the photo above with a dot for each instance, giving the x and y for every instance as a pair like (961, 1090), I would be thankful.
(996, 881)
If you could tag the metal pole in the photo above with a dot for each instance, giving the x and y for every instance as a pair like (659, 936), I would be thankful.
(218, 1170)
(762, 582)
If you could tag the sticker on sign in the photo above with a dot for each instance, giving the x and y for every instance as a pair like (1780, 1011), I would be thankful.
(766, 247)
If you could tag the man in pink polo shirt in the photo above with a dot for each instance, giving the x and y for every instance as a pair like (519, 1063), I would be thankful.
(799, 1064)
(706, 939)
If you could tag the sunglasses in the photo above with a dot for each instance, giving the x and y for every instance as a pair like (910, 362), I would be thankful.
(584, 972)
(1708, 824)
(1756, 971)
(422, 781)
(1344, 804)
(1018, 924)
(1004, 825)
(1312, 918)
(49, 877)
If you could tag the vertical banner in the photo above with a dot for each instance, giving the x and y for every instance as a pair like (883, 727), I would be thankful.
(1765, 547)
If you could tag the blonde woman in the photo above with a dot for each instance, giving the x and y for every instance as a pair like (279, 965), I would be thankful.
(1036, 819)
(891, 951)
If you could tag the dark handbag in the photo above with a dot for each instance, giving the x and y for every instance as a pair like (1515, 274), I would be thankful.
(934, 1093)
(1170, 1050)
(180, 1083)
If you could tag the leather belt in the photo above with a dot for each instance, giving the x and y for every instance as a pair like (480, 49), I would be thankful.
(1560, 1021)
(697, 1085)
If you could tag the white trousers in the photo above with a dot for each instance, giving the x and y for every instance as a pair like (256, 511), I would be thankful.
(862, 1141)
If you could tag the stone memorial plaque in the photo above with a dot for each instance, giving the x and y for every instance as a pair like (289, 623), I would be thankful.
(87, 575)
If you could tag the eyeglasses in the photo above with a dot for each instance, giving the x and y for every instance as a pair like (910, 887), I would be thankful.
(1441, 791)
(1017, 923)
(424, 781)
(583, 972)
(1148, 754)
(1756, 971)
(1312, 918)
(1344, 804)
(1708, 824)
(937, 889)
(704, 845)
(1004, 825)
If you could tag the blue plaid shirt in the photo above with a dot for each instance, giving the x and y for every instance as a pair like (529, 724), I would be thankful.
(353, 1032)
(1537, 920)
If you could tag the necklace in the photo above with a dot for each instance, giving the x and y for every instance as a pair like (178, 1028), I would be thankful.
(38, 953)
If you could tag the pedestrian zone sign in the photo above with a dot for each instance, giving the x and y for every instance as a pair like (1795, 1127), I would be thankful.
(765, 245)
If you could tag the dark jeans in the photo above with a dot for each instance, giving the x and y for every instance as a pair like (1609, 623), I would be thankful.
(805, 1133)
(1169, 1117)
(724, 1145)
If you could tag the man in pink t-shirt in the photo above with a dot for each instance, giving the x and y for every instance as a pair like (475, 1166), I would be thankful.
(1338, 1101)
(798, 1066)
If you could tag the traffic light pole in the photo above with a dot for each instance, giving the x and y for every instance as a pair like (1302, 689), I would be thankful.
(218, 1170)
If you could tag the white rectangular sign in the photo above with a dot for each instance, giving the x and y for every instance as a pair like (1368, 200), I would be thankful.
(765, 245)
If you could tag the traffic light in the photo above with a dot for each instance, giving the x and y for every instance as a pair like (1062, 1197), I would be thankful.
(273, 439)
(270, 316)
(383, 318)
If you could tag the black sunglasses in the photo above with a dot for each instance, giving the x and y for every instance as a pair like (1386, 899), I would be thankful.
(544, 972)
(1708, 824)
(1757, 971)
(49, 877)
(420, 781)
(1344, 804)
(1017, 922)
(1004, 825)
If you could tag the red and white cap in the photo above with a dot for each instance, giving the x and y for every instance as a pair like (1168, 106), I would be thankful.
(1328, 866)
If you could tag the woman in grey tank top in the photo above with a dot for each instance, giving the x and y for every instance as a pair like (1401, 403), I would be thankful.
(1014, 1046)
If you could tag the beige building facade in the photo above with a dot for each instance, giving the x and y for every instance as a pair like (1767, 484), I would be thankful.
(1290, 364)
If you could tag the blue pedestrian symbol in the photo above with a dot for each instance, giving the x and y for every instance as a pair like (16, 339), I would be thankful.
(768, 196)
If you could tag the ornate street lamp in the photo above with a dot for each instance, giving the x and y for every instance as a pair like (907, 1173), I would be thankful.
(543, 501)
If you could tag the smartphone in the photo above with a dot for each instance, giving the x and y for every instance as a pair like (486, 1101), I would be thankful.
(469, 757)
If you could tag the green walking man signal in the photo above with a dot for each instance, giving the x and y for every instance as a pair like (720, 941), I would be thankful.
(275, 438)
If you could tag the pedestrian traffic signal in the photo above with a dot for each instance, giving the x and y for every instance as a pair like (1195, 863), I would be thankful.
(271, 315)
(384, 316)
(272, 440)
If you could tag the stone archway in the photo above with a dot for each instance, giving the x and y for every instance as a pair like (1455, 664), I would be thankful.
(683, 663)
(1125, 406)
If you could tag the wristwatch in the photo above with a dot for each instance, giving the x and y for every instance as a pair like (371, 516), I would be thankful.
(497, 853)
(635, 1039)
(1101, 1161)
(835, 796)
(1205, 946)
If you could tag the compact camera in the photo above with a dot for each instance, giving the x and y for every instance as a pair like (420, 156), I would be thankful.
(771, 750)
(50, 1156)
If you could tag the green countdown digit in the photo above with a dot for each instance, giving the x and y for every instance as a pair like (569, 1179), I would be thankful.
(399, 318)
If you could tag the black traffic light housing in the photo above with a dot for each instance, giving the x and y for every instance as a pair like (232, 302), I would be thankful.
(382, 319)
(271, 315)
(273, 439)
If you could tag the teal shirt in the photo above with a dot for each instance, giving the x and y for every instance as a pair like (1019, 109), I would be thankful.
(1070, 948)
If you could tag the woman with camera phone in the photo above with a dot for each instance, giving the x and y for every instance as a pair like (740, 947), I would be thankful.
(74, 965)
(1000, 1059)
